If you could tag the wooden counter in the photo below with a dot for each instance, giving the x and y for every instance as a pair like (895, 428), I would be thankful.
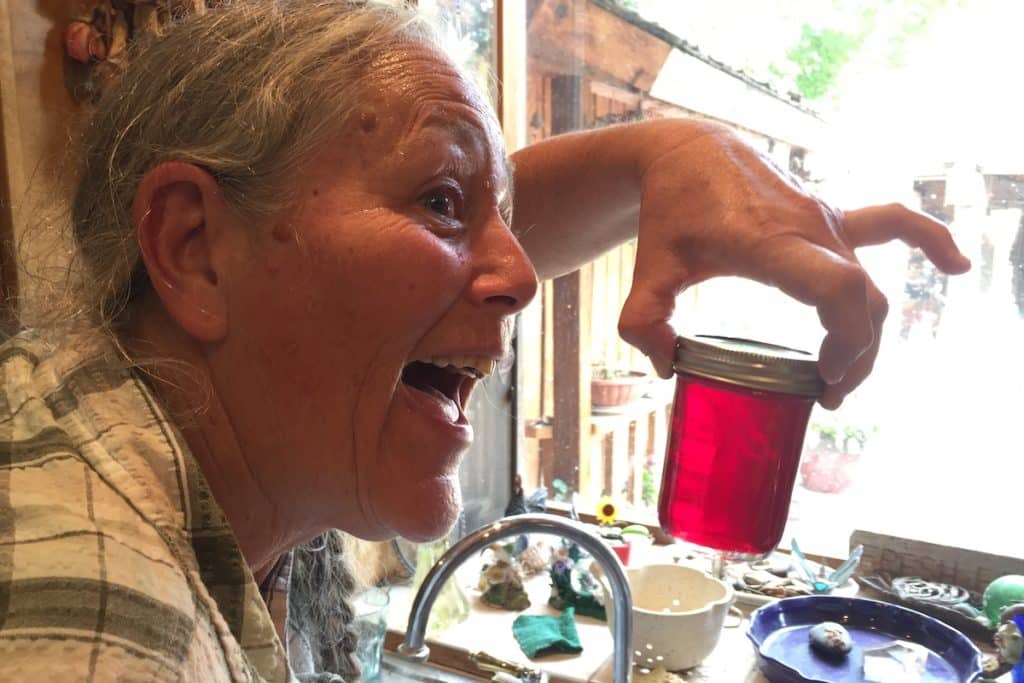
(489, 629)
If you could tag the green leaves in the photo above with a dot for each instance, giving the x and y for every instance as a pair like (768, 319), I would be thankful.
(880, 30)
(819, 56)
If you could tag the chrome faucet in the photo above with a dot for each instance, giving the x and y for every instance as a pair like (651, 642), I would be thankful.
(416, 650)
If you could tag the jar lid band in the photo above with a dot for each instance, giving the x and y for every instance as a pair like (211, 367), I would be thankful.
(751, 364)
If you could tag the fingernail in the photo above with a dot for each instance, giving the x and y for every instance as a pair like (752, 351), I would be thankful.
(831, 376)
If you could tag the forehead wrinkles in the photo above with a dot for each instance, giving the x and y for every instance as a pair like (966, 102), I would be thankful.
(437, 100)
(412, 69)
(435, 92)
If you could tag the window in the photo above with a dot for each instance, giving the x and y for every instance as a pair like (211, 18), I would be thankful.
(468, 29)
(870, 101)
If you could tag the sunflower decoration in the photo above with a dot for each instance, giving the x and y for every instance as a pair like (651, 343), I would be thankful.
(607, 511)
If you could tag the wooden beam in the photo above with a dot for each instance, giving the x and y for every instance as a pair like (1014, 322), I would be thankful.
(571, 317)
(631, 99)
(572, 378)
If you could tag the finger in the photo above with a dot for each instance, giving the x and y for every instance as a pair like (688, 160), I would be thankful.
(862, 367)
(880, 224)
(838, 288)
(844, 313)
(644, 321)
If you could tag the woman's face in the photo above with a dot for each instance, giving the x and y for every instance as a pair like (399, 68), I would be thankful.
(363, 320)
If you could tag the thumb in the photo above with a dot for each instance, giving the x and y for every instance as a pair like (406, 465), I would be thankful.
(644, 324)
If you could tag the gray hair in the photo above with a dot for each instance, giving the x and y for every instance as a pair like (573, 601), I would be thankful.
(246, 91)
(323, 583)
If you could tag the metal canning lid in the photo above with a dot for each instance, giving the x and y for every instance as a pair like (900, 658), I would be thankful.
(750, 364)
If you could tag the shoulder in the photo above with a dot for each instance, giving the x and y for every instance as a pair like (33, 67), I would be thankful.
(83, 576)
(68, 659)
(86, 580)
(80, 589)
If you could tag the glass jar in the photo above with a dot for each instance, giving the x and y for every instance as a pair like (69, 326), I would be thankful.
(738, 423)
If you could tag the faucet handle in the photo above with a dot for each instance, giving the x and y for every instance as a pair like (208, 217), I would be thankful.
(486, 662)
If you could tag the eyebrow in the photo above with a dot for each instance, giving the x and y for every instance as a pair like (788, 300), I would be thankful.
(467, 136)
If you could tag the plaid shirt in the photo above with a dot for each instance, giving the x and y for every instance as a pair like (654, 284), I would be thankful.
(115, 561)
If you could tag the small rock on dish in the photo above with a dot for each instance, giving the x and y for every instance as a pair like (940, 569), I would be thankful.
(831, 640)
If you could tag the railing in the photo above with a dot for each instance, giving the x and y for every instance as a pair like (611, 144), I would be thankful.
(624, 442)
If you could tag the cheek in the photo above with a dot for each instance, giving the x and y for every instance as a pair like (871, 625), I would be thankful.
(394, 286)
(335, 311)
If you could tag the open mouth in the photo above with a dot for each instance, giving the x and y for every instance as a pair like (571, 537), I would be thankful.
(448, 381)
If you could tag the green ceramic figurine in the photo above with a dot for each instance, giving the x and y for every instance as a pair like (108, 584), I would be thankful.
(1003, 610)
(1000, 594)
(572, 584)
(501, 582)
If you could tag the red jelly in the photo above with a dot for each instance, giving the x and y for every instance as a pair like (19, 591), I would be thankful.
(738, 424)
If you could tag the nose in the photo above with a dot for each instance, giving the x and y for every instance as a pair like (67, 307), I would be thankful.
(504, 276)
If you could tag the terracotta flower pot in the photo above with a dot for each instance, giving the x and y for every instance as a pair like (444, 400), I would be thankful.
(616, 391)
(827, 471)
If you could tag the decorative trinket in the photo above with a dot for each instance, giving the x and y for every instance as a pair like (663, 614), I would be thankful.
(530, 556)
(831, 640)
(825, 584)
(1009, 643)
(1001, 594)
(573, 585)
(501, 583)
(84, 43)
(98, 37)
(532, 560)
(776, 563)
(761, 582)
(607, 511)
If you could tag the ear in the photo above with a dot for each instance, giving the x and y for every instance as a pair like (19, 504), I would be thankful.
(175, 218)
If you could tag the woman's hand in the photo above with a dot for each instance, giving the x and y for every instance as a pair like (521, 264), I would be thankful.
(712, 206)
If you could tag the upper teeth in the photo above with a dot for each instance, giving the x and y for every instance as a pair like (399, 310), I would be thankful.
(471, 366)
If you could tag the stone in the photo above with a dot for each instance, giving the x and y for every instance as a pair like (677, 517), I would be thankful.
(830, 640)
(777, 564)
(759, 577)
(796, 589)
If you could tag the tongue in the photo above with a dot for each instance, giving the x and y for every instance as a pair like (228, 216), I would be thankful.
(448, 406)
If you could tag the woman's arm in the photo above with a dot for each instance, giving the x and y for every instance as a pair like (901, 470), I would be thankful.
(578, 195)
(704, 204)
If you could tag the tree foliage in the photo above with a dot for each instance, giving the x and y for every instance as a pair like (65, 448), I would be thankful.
(822, 51)
(819, 56)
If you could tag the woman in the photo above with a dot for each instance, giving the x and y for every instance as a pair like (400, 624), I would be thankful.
(303, 251)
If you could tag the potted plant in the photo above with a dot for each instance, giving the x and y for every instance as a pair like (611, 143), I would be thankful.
(828, 465)
(612, 387)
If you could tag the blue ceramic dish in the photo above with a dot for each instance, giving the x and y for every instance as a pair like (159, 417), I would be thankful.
(779, 634)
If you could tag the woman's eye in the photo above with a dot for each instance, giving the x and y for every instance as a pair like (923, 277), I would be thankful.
(443, 201)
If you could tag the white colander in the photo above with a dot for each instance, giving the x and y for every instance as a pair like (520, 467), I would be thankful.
(678, 614)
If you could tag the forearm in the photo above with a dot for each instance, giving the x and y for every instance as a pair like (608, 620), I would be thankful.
(578, 195)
